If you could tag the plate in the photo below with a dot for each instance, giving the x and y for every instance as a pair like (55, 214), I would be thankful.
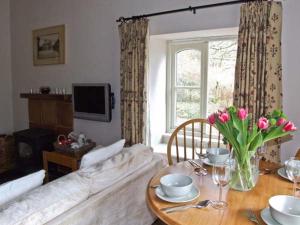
(206, 161)
(187, 198)
(281, 172)
(267, 218)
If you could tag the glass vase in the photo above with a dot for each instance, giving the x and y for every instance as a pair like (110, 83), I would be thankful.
(244, 172)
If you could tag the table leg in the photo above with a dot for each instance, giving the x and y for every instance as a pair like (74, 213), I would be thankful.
(74, 165)
(45, 165)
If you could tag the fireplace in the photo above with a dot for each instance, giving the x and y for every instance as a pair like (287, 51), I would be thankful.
(30, 144)
(49, 116)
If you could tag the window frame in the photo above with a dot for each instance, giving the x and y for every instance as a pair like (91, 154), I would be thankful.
(175, 46)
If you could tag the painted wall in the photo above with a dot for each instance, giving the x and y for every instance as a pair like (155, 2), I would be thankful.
(88, 54)
(157, 89)
(93, 47)
(291, 72)
(6, 115)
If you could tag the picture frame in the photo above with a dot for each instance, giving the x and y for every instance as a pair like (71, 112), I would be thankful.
(49, 45)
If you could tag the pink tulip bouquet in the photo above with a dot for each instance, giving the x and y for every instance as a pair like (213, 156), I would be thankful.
(246, 137)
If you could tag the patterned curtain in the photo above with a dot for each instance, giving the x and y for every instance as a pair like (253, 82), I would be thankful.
(258, 85)
(134, 61)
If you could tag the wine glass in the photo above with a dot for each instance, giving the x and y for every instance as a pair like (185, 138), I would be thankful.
(221, 177)
(293, 171)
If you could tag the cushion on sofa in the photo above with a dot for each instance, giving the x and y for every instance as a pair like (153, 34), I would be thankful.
(101, 154)
(15, 188)
(105, 174)
(46, 202)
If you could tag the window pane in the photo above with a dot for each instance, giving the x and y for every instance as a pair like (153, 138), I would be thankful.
(221, 67)
(187, 105)
(188, 68)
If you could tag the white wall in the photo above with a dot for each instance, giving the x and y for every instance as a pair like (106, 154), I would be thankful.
(291, 72)
(157, 89)
(6, 118)
(93, 47)
(88, 54)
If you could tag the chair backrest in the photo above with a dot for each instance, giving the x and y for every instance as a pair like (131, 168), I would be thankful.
(298, 154)
(193, 134)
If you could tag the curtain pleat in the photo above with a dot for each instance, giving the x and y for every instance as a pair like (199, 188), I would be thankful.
(134, 62)
(258, 85)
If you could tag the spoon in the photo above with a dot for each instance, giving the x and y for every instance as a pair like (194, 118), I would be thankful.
(251, 216)
(199, 171)
(195, 164)
(266, 171)
(199, 205)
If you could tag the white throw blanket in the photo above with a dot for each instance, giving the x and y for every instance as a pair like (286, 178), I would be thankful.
(110, 193)
(124, 203)
(46, 202)
(114, 169)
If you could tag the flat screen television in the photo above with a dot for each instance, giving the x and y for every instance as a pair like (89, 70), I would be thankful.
(92, 101)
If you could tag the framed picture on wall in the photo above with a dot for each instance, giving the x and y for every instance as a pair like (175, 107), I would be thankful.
(49, 45)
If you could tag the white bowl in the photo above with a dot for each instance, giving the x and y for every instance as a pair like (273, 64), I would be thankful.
(285, 164)
(176, 185)
(217, 155)
(285, 209)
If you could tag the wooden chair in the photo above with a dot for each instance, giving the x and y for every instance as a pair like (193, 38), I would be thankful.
(201, 134)
(298, 154)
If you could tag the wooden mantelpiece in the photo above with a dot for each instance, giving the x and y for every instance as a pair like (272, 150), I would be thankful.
(50, 111)
(66, 98)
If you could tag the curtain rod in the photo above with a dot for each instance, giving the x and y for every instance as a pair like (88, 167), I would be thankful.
(190, 8)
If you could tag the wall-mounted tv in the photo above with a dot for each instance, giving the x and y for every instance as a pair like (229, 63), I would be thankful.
(92, 101)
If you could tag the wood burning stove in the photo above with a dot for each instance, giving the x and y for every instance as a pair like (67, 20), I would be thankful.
(30, 144)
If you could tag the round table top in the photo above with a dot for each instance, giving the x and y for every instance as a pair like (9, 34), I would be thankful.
(238, 202)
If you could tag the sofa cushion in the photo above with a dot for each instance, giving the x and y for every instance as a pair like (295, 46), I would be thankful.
(15, 188)
(101, 154)
(46, 202)
(105, 174)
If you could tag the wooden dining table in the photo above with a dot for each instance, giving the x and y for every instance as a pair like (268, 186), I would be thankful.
(269, 184)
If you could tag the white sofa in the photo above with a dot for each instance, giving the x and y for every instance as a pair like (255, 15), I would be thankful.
(110, 193)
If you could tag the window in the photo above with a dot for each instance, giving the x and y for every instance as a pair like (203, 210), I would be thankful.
(200, 78)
